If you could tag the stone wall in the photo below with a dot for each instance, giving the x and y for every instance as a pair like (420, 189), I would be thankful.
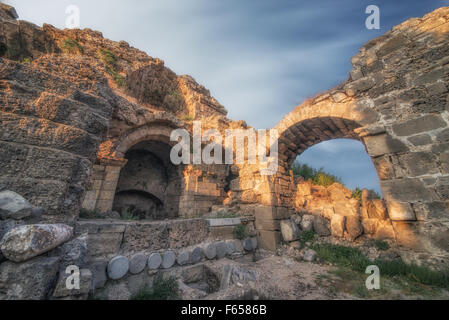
(396, 102)
(110, 238)
(69, 116)
(73, 103)
(347, 217)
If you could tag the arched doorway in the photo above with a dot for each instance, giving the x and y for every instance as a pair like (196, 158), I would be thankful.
(149, 185)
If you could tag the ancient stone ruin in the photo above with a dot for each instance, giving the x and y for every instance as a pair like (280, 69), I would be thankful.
(86, 177)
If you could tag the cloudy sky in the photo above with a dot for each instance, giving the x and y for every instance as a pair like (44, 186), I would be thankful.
(259, 58)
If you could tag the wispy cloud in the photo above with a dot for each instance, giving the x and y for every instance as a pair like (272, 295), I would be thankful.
(259, 58)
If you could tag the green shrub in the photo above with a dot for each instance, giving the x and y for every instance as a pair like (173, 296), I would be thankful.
(118, 78)
(342, 256)
(307, 236)
(108, 57)
(381, 245)
(303, 170)
(226, 215)
(357, 194)
(318, 177)
(71, 46)
(325, 179)
(163, 289)
(240, 232)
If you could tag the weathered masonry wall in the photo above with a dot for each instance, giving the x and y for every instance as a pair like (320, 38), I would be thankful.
(61, 113)
(49, 133)
(396, 102)
(67, 125)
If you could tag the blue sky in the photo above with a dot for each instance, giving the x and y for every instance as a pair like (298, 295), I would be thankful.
(259, 58)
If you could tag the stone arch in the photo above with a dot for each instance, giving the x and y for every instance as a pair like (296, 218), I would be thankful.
(148, 146)
(153, 131)
(319, 120)
(395, 102)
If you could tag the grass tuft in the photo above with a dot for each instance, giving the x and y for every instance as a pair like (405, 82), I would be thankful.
(240, 232)
(71, 46)
(307, 236)
(381, 245)
(318, 177)
(110, 59)
(354, 259)
(108, 56)
(118, 78)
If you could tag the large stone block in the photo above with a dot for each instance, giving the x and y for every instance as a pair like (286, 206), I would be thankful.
(420, 140)
(370, 226)
(321, 226)
(338, 223)
(46, 133)
(271, 212)
(400, 211)
(376, 209)
(419, 125)
(406, 190)
(226, 232)
(269, 240)
(25, 242)
(384, 168)
(290, 231)
(347, 208)
(432, 211)
(419, 163)
(383, 144)
(271, 225)
(354, 227)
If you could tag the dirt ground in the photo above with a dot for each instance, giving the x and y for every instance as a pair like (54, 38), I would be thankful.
(285, 278)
